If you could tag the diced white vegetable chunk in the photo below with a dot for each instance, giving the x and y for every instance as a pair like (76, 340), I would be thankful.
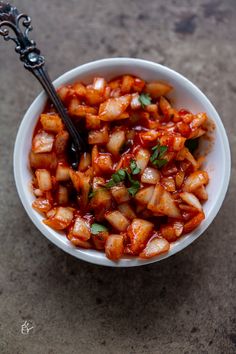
(75, 179)
(199, 119)
(99, 84)
(135, 103)
(150, 175)
(139, 231)
(183, 154)
(99, 240)
(42, 142)
(178, 143)
(201, 193)
(98, 136)
(98, 182)
(51, 122)
(157, 89)
(196, 180)
(114, 247)
(85, 161)
(194, 222)
(112, 108)
(191, 199)
(127, 211)
(179, 178)
(116, 141)
(44, 179)
(61, 142)
(78, 242)
(42, 205)
(62, 195)
(104, 162)
(127, 83)
(60, 218)
(142, 158)
(92, 121)
(120, 194)
(101, 199)
(178, 227)
(62, 172)
(162, 202)
(155, 247)
(168, 232)
(81, 229)
(168, 183)
(144, 195)
(117, 220)
(85, 188)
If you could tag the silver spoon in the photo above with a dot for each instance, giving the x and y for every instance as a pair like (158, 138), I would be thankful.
(20, 24)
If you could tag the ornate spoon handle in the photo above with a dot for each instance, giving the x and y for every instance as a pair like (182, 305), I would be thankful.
(20, 24)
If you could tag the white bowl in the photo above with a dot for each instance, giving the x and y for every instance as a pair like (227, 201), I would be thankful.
(185, 95)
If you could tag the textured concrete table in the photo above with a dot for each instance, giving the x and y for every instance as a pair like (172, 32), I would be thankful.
(185, 304)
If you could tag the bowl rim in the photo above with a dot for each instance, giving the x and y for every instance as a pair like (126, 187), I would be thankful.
(132, 261)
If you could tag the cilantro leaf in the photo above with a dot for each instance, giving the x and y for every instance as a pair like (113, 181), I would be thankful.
(160, 163)
(158, 152)
(135, 185)
(116, 178)
(121, 175)
(162, 150)
(134, 188)
(144, 99)
(97, 228)
(135, 170)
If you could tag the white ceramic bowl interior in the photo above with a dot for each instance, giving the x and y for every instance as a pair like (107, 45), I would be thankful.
(185, 95)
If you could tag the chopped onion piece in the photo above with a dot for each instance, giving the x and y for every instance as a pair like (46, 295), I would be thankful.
(157, 89)
(62, 172)
(120, 194)
(155, 247)
(113, 108)
(117, 220)
(144, 195)
(42, 142)
(127, 211)
(191, 199)
(150, 175)
(114, 247)
(61, 218)
(196, 180)
(44, 179)
(142, 158)
(138, 233)
(135, 103)
(116, 141)
(51, 122)
(81, 229)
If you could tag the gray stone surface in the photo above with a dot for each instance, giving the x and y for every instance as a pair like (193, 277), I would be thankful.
(185, 304)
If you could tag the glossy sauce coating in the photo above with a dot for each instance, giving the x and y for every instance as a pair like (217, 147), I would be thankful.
(139, 187)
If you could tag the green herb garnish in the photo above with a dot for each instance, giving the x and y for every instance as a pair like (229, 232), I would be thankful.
(135, 185)
(121, 175)
(97, 228)
(158, 152)
(144, 99)
(192, 144)
(116, 178)
(135, 170)
(134, 188)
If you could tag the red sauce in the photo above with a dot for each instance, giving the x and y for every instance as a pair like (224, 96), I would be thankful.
(137, 170)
